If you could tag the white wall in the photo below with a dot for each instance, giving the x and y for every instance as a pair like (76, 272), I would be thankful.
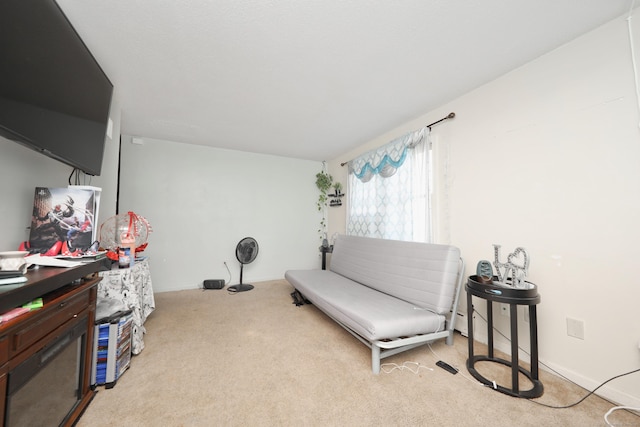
(546, 157)
(202, 201)
(22, 170)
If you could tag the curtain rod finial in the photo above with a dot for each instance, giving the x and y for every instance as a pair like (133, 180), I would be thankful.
(451, 115)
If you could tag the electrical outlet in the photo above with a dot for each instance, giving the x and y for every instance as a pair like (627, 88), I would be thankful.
(504, 309)
(575, 328)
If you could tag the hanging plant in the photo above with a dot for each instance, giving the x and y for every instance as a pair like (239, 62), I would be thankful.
(324, 181)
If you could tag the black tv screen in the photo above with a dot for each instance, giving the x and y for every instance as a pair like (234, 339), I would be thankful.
(54, 96)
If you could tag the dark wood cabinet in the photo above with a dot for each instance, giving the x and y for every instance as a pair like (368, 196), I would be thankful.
(58, 335)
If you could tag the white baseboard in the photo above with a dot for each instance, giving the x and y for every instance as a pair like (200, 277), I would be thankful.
(461, 323)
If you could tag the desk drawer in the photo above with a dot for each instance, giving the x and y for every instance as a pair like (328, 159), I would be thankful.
(47, 321)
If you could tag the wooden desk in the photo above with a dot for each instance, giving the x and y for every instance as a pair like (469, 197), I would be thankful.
(60, 334)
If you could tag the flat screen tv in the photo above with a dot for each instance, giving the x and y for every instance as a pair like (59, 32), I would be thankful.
(54, 96)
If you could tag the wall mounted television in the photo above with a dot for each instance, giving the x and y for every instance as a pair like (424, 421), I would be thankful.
(54, 96)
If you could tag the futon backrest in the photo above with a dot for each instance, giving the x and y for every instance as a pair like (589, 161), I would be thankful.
(423, 274)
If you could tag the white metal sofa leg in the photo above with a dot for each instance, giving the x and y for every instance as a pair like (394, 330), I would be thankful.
(449, 339)
(375, 359)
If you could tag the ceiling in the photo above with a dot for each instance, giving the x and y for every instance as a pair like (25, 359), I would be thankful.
(311, 79)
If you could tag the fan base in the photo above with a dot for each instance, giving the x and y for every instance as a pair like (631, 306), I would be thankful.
(240, 288)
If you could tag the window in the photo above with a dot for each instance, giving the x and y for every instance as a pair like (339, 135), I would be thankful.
(389, 190)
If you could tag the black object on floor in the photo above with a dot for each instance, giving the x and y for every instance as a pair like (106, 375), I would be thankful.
(299, 299)
(447, 367)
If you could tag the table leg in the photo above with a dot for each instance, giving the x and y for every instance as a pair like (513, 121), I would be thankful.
(513, 317)
(470, 329)
(490, 328)
(533, 332)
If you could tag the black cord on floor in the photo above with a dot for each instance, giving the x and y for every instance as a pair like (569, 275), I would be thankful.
(589, 394)
(560, 375)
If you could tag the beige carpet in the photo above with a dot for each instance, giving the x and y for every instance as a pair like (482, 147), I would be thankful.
(254, 359)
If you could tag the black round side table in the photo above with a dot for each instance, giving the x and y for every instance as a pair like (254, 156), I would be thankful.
(513, 296)
(325, 250)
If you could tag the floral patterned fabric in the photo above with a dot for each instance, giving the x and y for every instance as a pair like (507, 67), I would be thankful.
(133, 289)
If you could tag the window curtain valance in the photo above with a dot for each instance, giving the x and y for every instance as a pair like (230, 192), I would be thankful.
(386, 160)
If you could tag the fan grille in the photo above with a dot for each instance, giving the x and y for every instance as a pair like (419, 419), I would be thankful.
(247, 250)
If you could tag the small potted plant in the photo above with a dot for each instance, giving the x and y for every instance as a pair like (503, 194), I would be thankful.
(337, 186)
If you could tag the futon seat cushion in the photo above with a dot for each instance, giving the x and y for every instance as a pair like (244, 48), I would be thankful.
(372, 314)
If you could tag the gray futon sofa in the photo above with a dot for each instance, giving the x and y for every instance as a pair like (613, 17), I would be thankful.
(391, 295)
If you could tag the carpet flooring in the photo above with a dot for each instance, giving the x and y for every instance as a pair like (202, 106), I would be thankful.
(213, 358)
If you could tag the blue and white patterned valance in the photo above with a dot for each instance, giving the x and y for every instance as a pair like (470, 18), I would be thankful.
(385, 160)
